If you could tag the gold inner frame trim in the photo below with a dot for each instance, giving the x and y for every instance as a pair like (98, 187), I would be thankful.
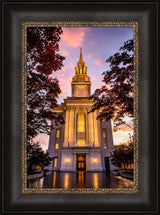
(24, 26)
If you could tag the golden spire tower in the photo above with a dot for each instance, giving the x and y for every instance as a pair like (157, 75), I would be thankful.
(81, 85)
(81, 68)
(80, 57)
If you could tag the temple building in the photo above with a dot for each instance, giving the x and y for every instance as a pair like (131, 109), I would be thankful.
(83, 143)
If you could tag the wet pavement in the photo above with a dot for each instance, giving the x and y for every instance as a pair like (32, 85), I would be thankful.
(80, 180)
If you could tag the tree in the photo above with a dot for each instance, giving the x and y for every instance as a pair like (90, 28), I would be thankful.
(119, 156)
(123, 154)
(116, 96)
(42, 88)
(36, 156)
(130, 150)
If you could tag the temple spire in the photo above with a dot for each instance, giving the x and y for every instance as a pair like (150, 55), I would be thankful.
(81, 85)
(81, 67)
(80, 57)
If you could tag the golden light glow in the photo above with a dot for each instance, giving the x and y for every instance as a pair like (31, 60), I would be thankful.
(39, 168)
(54, 179)
(67, 160)
(81, 142)
(95, 181)
(95, 160)
(80, 178)
(66, 180)
(57, 146)
(81, 129)
(81, 158)
(55, 162)
(57, 133)
(81, 122)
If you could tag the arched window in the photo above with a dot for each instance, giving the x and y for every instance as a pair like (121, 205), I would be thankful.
(81, 129)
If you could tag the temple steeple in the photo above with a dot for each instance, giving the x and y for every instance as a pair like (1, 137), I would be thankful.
(81, 84)
(80, 57)
(81, 67)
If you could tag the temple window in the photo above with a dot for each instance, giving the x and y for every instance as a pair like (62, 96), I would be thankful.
(104, 133)
(105, 147)
(57, 146)
(81, 129)
(57, 133)
(55, 162)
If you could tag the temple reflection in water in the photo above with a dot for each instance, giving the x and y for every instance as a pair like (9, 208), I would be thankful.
(67, 180)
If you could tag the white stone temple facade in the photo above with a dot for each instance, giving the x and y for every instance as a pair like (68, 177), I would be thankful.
(83, 143)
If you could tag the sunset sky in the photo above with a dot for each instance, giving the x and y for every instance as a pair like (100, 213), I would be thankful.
(98, 43)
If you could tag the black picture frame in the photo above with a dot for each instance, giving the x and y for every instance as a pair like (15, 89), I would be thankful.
(13, 14)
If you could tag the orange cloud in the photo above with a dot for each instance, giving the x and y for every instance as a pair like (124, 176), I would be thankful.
(121, 137)
(73, 37)
(98, 63)
(124, 128)
(122, 134)
(64, 53)
(89, 56)
(64, 80)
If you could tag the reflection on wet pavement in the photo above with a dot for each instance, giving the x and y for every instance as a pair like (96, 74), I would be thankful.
(80, 180)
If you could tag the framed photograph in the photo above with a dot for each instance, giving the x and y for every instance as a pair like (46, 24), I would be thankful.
(80, 107)
(83, 140)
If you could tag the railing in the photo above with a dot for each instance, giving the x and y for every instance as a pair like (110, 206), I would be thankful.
(85, 145)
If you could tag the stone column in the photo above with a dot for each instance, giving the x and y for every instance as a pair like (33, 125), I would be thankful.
(65, 144)
(96, 135)
(87, 130)
(68, 143)
(93, 121)
(90, 128)
(109, 134)
(52, 140)
(71, 126)
(99, 133)
(74, 161)
(74, 134)
(88, 162)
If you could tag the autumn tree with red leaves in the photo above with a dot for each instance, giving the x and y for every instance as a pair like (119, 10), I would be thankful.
(42, 88)
(116, 96)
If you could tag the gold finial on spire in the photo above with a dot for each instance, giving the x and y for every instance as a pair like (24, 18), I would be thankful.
(80, 57)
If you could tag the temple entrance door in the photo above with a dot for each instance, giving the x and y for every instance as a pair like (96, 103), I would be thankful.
(81, 162)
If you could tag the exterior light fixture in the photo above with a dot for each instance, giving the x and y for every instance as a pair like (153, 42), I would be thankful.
(94, 160)
(67, 160)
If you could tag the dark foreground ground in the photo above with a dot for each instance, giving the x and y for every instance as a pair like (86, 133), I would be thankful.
(80, 180)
